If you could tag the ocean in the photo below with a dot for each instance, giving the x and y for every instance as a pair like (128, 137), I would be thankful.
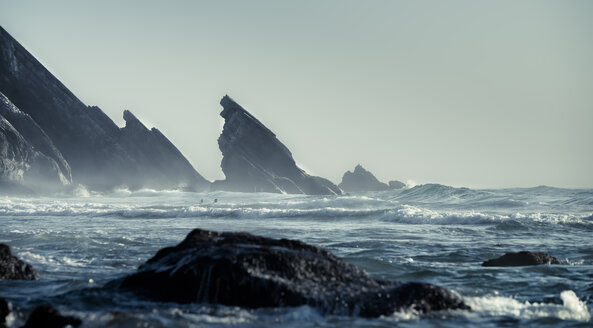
(429, 233)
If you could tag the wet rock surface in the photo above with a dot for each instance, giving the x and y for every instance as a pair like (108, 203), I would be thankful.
(523, 258)
(11, 268)
(240, 269)
(254, 160)
(4, 311)
(48, 317)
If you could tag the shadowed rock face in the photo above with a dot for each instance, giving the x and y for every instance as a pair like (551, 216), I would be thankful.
(4, 311)
(167, 162)
(99, 154)
(523, 258)
(254, 160)
(12, 268)
(33, 133)
(361, 180)
(22, 168)
(240, 269)
(48, 317)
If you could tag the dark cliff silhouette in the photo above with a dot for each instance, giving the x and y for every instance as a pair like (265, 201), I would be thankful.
(255, 160)
(83, 141)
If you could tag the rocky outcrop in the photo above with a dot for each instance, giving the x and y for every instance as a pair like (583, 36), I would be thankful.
(361, 180)
(240, 269)
(523, 258)
(394, 184)
(48, 317)
(168, 165)
(11, 268)
(4, 311)
(99, 154)
(254, 160)
(22, 168)
(35, 135)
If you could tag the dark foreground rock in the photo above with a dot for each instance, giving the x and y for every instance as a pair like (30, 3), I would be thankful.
(48, 317)
(523, 258)
(4, 311)
(240, 269)
(254, 160)
(11, 268)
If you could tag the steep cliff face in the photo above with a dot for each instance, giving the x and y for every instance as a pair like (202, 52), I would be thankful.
(255, 160)
(168, 166)
(34, 134)
(22, 168)
(95, 149)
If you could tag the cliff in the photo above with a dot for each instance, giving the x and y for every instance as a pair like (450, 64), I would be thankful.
(23, 169)
(99, 154)
(254, 160)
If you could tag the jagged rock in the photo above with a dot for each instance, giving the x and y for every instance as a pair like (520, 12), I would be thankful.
(22, 168)
(167, 162)
(4, 311)
(255, 160)
(240, 269)
(11, 268)
(100, 155)
(523, 258)
(47, 316)
(33, 133)
(361, 180)
(394, 184)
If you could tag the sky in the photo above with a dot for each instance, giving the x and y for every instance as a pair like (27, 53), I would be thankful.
(481, 94)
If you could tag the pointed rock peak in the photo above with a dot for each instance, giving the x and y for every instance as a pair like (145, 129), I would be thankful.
(359, 169)
(230, 107)
(131, 120)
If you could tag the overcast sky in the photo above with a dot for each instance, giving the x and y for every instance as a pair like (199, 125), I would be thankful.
(464, 93)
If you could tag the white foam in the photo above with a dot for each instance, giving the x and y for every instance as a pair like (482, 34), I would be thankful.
(572, 308)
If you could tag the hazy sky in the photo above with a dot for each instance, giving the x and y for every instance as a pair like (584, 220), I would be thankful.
(465, 93)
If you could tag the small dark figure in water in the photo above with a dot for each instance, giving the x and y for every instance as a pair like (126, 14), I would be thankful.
(201, 201)
(216, 200)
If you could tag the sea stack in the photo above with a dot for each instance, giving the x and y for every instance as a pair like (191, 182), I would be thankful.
(254, 160)
(85, 144)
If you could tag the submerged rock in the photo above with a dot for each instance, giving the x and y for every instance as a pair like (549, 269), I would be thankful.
(48, 317)
(394, 184)
(11, 268)
(523, 258)
(4, 311)
(240, 269)
(361, 180)
(255, 160)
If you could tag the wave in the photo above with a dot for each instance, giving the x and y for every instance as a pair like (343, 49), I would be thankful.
(572, 308)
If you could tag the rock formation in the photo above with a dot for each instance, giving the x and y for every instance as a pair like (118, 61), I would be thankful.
(255, 160)
(24, 169)
(394, 184)
(99, 154)
(523, 258)
(11, 268)
(48, 317)
(240, 269)
(361, 180)
(4, 311)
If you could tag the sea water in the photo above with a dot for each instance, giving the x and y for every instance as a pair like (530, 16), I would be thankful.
(428, 233)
